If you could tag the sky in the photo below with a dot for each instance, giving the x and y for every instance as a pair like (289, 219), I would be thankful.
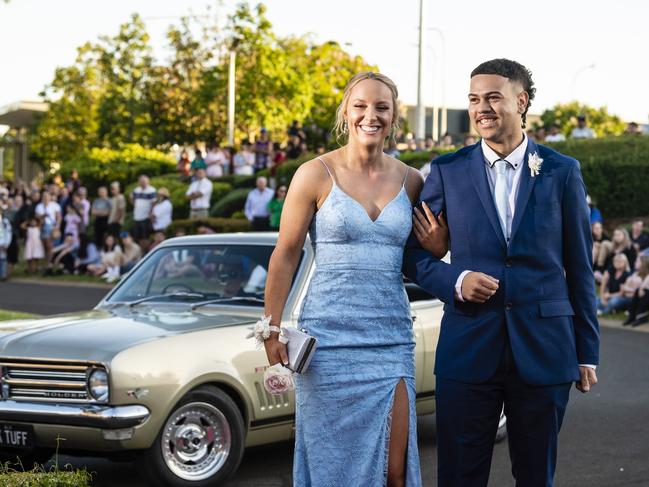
(592, 51)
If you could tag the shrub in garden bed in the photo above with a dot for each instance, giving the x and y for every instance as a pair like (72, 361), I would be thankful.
(234, 201)
(616, 172)
(99, 166)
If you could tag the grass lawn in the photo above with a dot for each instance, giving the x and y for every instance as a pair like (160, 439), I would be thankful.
(14, 315)
(20, 271)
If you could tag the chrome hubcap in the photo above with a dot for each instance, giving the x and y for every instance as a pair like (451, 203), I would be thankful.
(196, 441)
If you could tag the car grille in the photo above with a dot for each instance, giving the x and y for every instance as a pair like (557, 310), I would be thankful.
(45, 381)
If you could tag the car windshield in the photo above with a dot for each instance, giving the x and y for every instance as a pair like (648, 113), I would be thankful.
(225, 273)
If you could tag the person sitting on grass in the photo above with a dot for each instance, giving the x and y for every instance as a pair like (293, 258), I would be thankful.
(599, 237)
(620, 244)
(132, 253)
(87, 254)
(63, 256)
(611, 295)
(109, 261)
(639, 305)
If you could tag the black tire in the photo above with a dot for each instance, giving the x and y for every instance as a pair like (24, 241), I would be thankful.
(25, 459)
(501, 434)
(208, 399)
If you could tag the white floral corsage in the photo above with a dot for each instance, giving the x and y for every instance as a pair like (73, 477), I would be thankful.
(534, 162)
(262, 330)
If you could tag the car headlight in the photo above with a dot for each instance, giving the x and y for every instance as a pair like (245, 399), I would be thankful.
(98, 385)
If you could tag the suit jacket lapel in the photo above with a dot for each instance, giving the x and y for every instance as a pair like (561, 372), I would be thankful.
(479, 177)
(525, 188)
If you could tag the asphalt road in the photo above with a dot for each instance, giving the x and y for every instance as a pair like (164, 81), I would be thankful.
(604, 441)
(50, 298)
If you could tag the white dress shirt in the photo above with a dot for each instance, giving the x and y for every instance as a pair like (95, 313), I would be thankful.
(257, 203)
(204, 187)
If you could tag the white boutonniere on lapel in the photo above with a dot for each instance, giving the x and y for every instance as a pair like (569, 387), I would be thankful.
(534, 162)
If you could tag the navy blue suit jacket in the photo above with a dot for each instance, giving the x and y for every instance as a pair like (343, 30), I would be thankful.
(545, 304)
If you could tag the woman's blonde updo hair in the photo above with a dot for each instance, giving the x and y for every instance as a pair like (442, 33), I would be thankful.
(340, 129)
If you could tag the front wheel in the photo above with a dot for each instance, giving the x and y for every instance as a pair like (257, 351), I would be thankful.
(201, 444)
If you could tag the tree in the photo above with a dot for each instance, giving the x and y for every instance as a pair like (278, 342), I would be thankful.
(116, 93)
(124, 63)
(565, 116)
(70, 125)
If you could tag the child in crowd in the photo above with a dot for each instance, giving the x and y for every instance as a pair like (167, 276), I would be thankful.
(34, 249)
(73, 223)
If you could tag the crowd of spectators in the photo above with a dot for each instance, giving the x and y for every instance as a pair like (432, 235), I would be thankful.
(621, 267)
(56, 229)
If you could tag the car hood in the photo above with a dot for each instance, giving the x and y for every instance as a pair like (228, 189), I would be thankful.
(99, 335)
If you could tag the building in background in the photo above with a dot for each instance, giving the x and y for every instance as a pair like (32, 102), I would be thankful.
(21, 117)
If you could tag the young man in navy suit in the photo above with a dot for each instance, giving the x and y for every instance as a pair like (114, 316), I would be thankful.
(520, 321)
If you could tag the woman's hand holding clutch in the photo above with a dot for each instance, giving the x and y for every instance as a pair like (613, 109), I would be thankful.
(275, 350)
(431, 231)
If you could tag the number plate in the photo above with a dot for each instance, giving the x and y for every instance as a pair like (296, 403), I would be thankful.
(16, 436)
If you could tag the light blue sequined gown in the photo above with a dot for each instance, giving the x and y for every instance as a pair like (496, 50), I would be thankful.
(357, 308)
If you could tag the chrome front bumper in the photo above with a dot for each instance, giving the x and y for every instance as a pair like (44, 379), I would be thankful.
(88, 415)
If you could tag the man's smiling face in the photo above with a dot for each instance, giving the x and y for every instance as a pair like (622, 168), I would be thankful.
(495, 107)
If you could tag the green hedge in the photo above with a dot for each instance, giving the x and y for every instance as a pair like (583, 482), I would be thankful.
(418, 159)
(99, 167)
(219, 225)
(286, 171)
(177, 190)
(616, 173)
(234, 201)
(79, 478)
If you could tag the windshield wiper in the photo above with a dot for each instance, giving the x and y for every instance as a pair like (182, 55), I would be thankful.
(250, 299)
(179, 294)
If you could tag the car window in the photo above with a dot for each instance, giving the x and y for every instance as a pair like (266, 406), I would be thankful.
(208, 271)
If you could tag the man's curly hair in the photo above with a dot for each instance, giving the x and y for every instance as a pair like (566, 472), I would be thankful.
(511, 70)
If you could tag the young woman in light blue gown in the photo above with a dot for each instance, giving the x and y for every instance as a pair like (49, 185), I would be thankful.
(355, 405)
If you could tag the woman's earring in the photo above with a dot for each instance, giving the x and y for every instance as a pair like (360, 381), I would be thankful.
(345, 128)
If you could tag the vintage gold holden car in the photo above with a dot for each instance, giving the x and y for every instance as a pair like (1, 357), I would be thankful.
(161, 368)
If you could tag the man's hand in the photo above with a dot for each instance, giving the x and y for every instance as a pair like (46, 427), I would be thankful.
(588, 379)
(478, 287)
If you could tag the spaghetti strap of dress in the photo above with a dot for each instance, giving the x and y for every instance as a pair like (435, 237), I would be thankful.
(327, 168)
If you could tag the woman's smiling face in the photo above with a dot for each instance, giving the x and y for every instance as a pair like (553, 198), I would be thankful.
(369, 112)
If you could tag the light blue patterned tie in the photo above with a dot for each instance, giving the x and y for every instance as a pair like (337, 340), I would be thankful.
(501, 194)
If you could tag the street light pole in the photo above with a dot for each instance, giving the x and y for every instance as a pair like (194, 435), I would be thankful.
(574, 79)
(442, 78)
(421, 110)
(231, 93)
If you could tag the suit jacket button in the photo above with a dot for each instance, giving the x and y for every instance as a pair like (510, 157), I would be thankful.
(508, 263)
(508, 306)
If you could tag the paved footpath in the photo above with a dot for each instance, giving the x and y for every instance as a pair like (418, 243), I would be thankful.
(604, 441)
